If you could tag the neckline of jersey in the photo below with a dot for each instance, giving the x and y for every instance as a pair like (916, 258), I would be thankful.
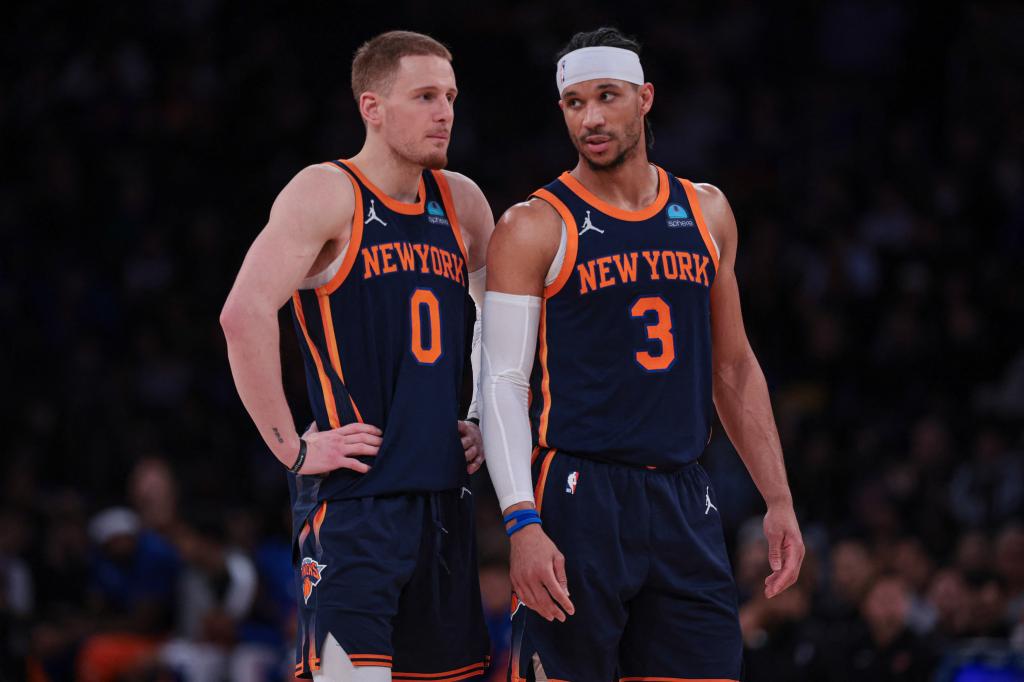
(645, 213)
(395, 205)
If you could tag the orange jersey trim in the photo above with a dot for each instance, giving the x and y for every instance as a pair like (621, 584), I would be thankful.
(449, 208)
(542, 479)
(448, 676)
(691, 195)
(571, 241)
(369, 660)
(314, 661)
(395, 205)
(545, 382)
(614, 211)
(332, 344)
(325, 382)
(355, 240)
(318, 520)
(536, 452)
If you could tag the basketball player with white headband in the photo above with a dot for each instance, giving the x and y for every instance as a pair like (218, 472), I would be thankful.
(612, 329)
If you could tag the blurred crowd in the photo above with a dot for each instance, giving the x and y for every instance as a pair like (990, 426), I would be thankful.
(873, 154)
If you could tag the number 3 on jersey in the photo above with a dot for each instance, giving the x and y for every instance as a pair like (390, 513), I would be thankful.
(660, 330)
(424, 301)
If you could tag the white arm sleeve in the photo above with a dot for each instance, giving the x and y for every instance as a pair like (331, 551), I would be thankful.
(509, 345)
(477, 282)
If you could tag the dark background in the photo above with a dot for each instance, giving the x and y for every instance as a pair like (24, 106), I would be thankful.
(873, 154)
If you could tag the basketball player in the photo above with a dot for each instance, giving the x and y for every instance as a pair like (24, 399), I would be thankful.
(625, 273)
(376, 254)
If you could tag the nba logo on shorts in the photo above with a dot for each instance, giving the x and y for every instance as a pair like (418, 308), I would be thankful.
(571, 481)
(310, 572)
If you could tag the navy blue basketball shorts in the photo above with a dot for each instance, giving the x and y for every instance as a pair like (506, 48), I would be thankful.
(647, 571)
(394, 580)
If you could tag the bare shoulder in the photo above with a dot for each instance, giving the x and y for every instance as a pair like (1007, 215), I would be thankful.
(463, 187)
(470, 203)
(712, 200)
(531, 224)
(318, 199)
(717, 214)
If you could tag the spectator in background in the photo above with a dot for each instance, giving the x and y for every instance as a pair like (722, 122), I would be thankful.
(909, 561)
(153, 492)
(973, 552)
(949, 596)
(215, 594)
(64, 562)
(988, 490)
(781, 636)
(986, 605)
(134, 576)
(1009, 564)
(888, 650)
(852, 574)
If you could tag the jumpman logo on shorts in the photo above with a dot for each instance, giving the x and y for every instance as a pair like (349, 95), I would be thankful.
(587, 225)
(372, 215)
(707, 501)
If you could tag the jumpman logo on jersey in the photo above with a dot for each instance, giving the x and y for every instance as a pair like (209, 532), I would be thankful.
(587, 225)
(707, 501)
(372, 215)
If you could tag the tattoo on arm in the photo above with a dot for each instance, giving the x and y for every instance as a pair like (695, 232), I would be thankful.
(277, 434)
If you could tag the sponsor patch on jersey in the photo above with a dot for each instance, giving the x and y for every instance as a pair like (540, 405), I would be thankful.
(435, 214)
(677, 217)
(311, 572)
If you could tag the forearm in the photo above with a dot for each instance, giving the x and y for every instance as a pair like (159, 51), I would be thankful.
(741, 397)
(506, 433)
(254, 354)
(509, 344)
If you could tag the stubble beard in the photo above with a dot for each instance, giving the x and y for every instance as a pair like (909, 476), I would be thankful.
(632, 135)
(434, 160)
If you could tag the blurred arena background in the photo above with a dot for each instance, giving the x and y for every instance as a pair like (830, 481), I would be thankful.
(873, 153)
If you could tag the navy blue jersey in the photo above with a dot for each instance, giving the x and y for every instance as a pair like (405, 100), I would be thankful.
(384, 343)
(623, 367)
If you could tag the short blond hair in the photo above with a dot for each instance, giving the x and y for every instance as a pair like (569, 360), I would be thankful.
(377, 60)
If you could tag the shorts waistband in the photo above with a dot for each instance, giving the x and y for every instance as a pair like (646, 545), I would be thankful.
(674, 469)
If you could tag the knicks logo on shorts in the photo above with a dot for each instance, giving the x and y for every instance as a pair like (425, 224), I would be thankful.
(311, 572)
(571, 481)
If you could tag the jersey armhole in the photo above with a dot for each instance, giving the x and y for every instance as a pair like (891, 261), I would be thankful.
(355, 240)
(449, 208)
(698, 215)
(571, 241)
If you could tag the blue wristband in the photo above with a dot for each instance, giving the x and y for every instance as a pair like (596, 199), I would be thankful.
(521, 525)
(522, 519)
(520, 514)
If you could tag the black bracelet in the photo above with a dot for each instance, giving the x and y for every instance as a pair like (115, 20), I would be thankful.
(474, 420)
(301, 459)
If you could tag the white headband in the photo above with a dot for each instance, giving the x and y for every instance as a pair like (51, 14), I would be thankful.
(588, 63)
